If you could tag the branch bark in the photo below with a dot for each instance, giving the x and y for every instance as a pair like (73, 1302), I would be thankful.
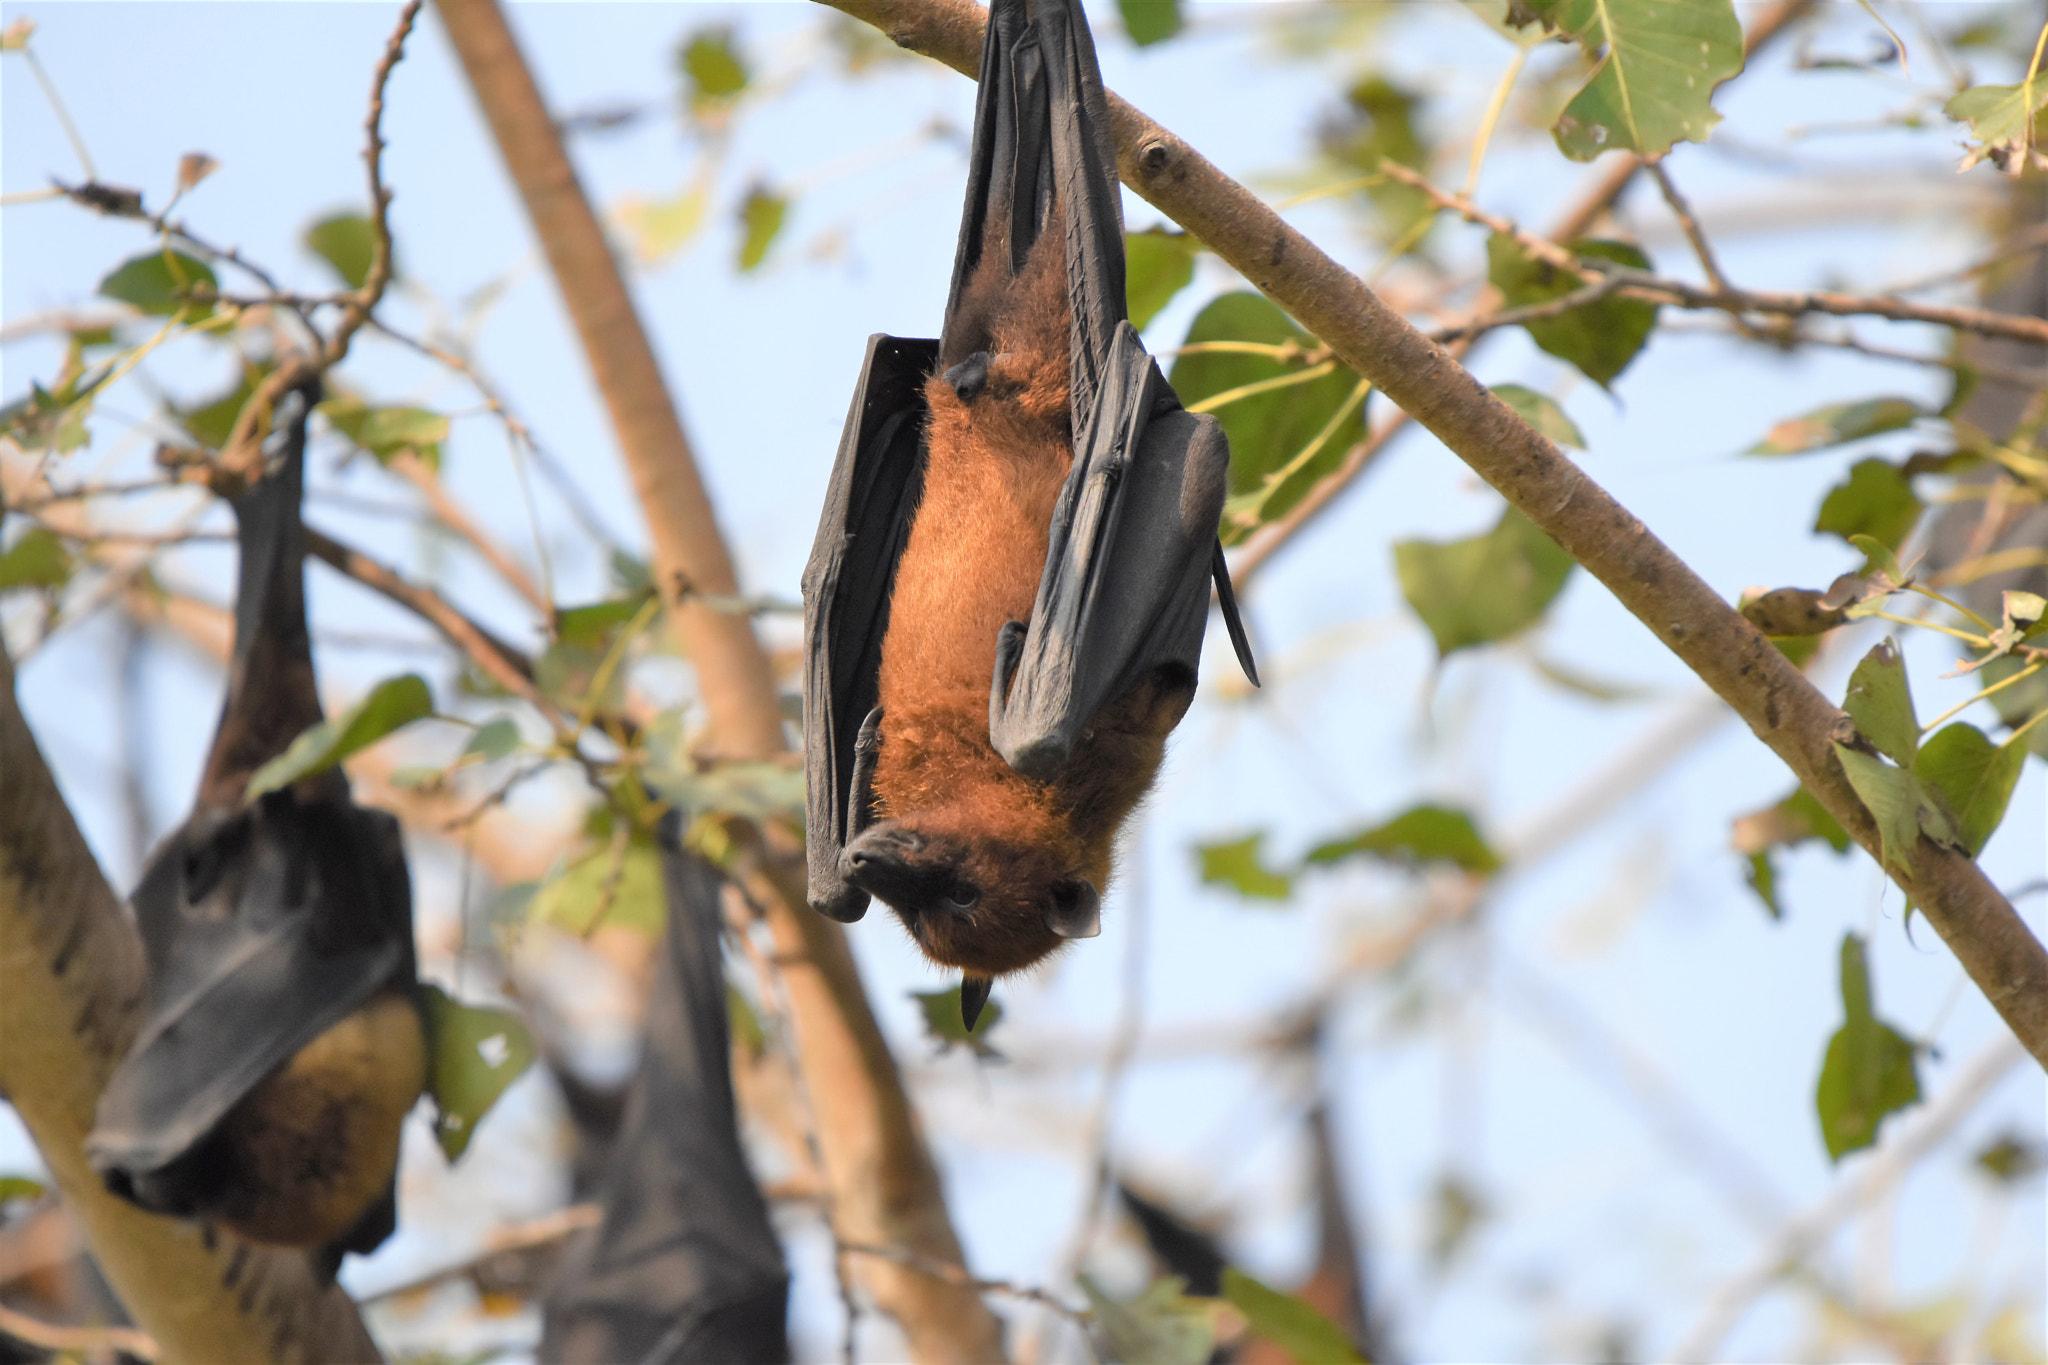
(1777, 701)
(73, 973)
(885, 1189)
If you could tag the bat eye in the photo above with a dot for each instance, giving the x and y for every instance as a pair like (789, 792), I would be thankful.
(965, 896)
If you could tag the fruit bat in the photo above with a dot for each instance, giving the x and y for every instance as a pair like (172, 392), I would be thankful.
(283, 1044)
(1005, 603)
(685, 1265)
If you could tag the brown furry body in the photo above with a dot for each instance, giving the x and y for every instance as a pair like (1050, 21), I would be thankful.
(976, 551)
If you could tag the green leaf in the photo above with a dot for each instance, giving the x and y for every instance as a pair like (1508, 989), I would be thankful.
(1877, 501)
(2005, 120)
(1487, 588)
(1237, 864)
(1896, 801)
(1880, 703)
(605, 887)
(1763, 879)
(1600, 337)
(212, 422)
(1790, 822)
(161, 283)
(594, 625)
(662, 227)
(1422, 834)
(1288, 1323)
(493, 740)
(387, 432)
(1379, 122)
(944, 1024)
(49, 421)
(21, 1187)
(1150, 21)
(1158, 263)
(37, 559)
(752, 791)
(474, 1052)
(393, 703)
(1658, 64)
(1973, 777)
(713, 72)
(348, 243)
(1298, 432)
(1838, 424)
(760, 220)
(1868, 1072)
(1162, 1326)
(1541, 412)
(2010, 1158)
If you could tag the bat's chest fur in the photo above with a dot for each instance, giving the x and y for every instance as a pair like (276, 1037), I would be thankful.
(314, 1145)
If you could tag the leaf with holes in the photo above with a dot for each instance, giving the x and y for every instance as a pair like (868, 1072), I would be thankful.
(390, 705)
(1422, 834)
(1239, 865)
(1485, 588)
(1868, 1073)
(1652, 85)
(1838, 424)
(1158, 264)
(1600, 337)
(1877, 501)
(1973, 777)
(474, 1052)
(1288, 1322)
(1541, 412)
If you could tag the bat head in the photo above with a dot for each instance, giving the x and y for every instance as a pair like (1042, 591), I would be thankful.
(988, 904)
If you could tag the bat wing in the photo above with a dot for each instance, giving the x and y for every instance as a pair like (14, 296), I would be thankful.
(263, 929)
(685, 1265)
(876, 483)
(1133, 539)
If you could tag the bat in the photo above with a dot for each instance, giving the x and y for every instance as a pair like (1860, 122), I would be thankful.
(685, 1265)
(1005, 603)
(283, 1044)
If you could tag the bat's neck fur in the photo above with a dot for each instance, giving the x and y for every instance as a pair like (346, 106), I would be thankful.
(272, 695)
(976, 552)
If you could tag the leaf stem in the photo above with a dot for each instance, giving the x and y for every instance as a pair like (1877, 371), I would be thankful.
(2029, 671)
(1253, 390)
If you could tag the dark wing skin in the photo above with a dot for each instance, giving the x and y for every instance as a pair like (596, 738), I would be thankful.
(685, 1266)
(1133, 547)
(267, 927)
(874, 491)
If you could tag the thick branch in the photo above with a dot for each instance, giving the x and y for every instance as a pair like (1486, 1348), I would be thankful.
(885, 1190)
(73, 999)
(1784, 709)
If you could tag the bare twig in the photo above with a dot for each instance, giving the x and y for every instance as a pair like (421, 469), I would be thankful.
(450, 514)
(537, 1234)
(1690, 225)
(80, 1340)
(956, 1274)
(359, 308)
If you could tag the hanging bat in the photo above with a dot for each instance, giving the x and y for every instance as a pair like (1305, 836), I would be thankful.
(1031, 466)
(685, 1265)
(283, 1044)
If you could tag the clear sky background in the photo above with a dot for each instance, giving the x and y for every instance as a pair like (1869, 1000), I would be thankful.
(1476, 1061)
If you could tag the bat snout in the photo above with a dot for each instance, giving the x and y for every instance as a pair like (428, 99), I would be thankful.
(883, 862)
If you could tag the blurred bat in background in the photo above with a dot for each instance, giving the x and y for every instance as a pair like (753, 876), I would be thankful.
(283, 1045)
(685, 1266)
(1032, 465)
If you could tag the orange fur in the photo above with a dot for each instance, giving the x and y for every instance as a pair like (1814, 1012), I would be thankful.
(973, 561)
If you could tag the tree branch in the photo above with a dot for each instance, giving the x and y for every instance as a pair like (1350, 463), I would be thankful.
(885, 1190)
(1780, 705)
(74, 997)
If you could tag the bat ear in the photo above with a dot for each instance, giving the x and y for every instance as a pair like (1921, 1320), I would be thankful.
(973, 995)
(1075, 910)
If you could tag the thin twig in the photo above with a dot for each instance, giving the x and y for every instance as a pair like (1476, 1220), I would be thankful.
(450, 514)
(545, 1231)
(366, 298)
(1690, 225)
(81, 1340)
(958, 1275)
